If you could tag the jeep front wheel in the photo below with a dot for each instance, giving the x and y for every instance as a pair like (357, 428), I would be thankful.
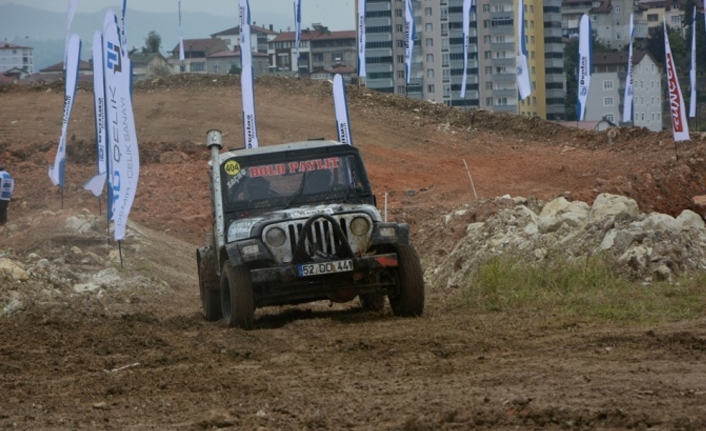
(237, 302)
(409, 299)
(209, 286)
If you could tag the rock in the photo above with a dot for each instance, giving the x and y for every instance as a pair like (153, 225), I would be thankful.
(662, 273)
(690, 220)
(78, 224)
(608, 205)
(86, 288)
(13, 269)
(12, 307)
(76, 251)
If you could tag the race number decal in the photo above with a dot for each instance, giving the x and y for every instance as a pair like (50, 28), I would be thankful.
(232, 167)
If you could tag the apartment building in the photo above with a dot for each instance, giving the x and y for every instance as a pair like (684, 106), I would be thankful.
(606, 95)
(437, 64)
(657, 11)
(16, 57)
(319, 49)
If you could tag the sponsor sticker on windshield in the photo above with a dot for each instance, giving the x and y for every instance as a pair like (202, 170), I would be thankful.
(301, 166)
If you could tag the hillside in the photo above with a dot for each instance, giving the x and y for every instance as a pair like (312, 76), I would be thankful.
(89, 343)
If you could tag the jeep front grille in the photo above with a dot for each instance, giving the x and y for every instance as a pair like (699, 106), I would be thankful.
(320, 237)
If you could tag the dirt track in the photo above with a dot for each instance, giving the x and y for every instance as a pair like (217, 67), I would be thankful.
(315, 366)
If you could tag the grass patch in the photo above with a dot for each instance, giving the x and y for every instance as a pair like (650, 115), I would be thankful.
(587, 287)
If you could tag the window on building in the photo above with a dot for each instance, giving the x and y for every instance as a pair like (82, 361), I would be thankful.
(608, 85)
(488, 85)
(400, 74)
(427, 11)
(400, 58)
(488, 70)
(429, 27)
(609, 117)
(429, 42)
(430, 58)
(401, 89)
(430, 88)
(607, 101)
(399, 28)
(486, 8)
(488, 101)
(487, 54)
(486, 39)
(430, 73)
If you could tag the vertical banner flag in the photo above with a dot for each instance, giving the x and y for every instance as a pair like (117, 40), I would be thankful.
(181, 36)
(467, 5)
(246, 78)
(123, 37)
(120, 123)
(297, 26)
(95, 185)
(409, 36)
(585, 62)
(524, 84)
(628, 98)
(680, 128)
(340, 101)
(110, 17)
(692, 72)
(362, 73)
(69, 20)
(56, 171)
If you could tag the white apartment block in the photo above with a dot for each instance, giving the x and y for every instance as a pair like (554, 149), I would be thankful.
(606, 95)
(16, 57)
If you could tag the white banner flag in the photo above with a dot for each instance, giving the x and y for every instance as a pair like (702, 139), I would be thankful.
(110, 17)
(467, 5)
(247, 84)
(362, 73)
(95, 185)
(692, 72)
(181, 36)
(585, 62)
(120, 122)
(409, 36)
(69, 19)
(524, 84)
(297, 26)
(629, 89)
(123, 36)
(56, 171)
(340, 101)
(680, 128)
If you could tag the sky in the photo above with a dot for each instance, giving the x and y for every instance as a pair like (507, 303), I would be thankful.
(336, 14)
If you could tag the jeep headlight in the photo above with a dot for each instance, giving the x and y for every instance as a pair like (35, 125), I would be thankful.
(275, 237)
(360, 226)
(240, 229)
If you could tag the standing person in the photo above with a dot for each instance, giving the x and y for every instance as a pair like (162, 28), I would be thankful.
(7, 184)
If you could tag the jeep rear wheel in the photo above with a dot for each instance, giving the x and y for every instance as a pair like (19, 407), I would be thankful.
(409, 298)
(237, 302)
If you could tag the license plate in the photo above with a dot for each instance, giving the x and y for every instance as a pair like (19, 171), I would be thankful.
(309, 269)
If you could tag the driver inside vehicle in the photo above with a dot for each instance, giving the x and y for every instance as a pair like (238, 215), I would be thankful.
(257, 188)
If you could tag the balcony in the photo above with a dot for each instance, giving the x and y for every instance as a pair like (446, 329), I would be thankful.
(504, 62)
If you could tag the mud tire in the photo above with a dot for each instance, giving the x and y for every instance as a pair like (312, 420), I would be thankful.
(409, 300)
(237, 304)
(209, 286)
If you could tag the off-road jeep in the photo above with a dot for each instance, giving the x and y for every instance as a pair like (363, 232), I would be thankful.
(296, 223)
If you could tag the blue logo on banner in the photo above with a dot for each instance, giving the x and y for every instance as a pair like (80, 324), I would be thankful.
(114, 58)
(584, 91)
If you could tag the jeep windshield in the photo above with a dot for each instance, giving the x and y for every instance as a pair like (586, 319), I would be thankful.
(251, 182)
